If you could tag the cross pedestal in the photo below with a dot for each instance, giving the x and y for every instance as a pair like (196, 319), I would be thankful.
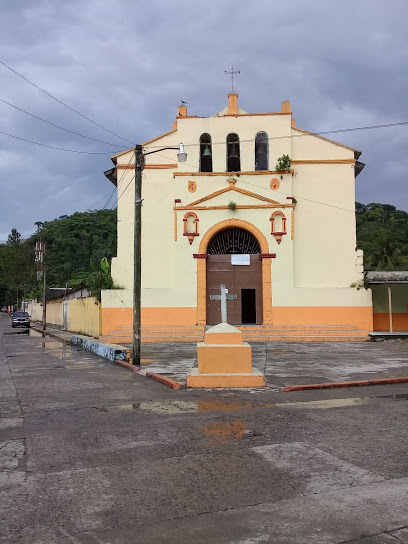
(224, 359)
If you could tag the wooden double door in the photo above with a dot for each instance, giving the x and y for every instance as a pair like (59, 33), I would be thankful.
(245, 281)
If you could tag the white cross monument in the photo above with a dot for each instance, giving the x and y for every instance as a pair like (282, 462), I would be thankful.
(223, 297)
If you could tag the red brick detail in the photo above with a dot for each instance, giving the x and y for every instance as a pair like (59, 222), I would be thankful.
(200, 255)
(177, 201)
(268, 255)
(378, 381)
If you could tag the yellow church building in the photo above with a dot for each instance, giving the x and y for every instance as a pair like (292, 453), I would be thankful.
(281, 237)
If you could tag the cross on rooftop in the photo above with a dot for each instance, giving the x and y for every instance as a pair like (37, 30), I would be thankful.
(223, 297)
(232, 72)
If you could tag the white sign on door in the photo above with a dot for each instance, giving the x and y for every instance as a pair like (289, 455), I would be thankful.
(240, 259)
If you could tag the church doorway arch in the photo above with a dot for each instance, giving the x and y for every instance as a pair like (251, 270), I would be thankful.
(234, 259)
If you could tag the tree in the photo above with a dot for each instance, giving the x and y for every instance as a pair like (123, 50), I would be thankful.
(14, 237)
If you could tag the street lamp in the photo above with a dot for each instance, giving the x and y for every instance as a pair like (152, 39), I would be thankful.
(137, 242)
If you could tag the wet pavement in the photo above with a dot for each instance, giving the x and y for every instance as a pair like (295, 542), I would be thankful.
(92, 453)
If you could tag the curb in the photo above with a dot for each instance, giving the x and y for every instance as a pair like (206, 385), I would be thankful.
(158, 377)
(378, 381)
(87, 343)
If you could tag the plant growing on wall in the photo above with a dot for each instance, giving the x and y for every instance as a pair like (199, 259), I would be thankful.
(97, 279)
(232, 206)
(283, 163)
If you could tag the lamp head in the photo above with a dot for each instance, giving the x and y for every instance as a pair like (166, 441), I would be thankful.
(181, 155)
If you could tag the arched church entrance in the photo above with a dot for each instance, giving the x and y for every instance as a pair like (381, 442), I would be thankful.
(234, 260)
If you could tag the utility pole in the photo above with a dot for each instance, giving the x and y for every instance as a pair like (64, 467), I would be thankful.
(44, 316)
(137, 243)
(137, 255)
(17, 300)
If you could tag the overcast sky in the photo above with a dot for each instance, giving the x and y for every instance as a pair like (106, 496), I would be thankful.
(126, 64)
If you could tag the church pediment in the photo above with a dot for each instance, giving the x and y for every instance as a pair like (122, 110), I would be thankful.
(250, 198)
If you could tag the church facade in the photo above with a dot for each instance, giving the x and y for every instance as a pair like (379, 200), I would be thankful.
(280, 236)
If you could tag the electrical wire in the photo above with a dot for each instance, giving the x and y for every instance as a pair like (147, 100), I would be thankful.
(276, 192)
(57, 148)
(58, 126)
(63, 103)
(118, 185)
(124, 190)
(305, 133)
(301, 198)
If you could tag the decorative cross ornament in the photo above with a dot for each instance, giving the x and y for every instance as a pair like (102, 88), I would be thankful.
(232, 72)
(223, 297)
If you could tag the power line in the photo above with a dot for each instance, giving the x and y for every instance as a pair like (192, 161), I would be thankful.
(306, 133)
(118, 184)
(57, 148)
(277, 192)
(63, 103)
(301, 198)
(58, 126)
(124, 190)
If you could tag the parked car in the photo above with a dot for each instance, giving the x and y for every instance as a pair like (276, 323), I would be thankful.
(20, 319)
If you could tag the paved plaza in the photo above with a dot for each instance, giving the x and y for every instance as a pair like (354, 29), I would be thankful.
(92, 453)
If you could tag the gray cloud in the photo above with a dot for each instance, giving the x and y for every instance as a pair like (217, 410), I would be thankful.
(126, 64)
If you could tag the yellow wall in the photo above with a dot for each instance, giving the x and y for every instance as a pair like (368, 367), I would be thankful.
(84, 316)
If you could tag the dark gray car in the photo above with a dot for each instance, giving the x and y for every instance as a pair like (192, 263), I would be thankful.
(20, 319)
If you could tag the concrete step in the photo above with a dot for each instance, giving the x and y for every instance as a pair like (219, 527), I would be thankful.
(288, 338)
(310, 328)
(178, 328)
(277, 332)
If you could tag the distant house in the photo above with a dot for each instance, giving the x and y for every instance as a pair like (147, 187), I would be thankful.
(283, 241)
(390, 300)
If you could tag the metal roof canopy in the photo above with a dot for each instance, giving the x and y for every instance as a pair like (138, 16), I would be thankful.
(389, 278)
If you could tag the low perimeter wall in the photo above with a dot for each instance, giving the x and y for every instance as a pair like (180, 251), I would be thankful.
(81, 315)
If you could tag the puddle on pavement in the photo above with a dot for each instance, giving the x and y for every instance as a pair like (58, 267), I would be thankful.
(217, 405)
(224, 431)
(397, 396)
(324, 404)
(36, 334)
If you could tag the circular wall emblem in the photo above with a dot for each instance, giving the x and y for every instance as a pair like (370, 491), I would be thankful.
(192, 186)
(274, 184)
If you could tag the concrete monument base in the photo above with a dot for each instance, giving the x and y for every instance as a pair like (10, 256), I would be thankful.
(224, 360)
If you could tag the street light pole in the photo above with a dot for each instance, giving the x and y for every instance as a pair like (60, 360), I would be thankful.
(137, 244)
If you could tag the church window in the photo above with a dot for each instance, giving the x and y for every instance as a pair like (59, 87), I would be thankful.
(233, 153)
(205, 153)
(261, 151)
(233, 241)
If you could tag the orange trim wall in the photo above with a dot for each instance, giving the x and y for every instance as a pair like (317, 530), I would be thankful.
(114, 317)
(360, 317)
(399, 322)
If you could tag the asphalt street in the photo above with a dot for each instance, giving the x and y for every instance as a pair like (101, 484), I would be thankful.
(92, 453)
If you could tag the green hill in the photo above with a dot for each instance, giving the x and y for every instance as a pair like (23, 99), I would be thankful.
(74, 242)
